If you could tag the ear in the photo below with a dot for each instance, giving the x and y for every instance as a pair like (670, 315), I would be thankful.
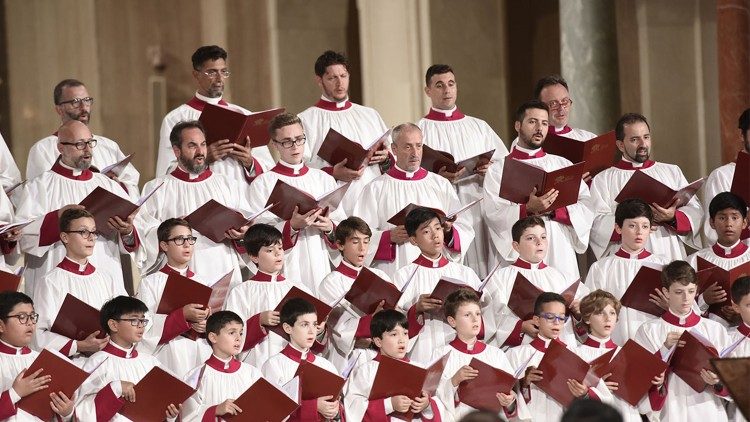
(413, 240)
(536, 320)
(212, 338)
(451, 321)
(163, 246)
(176, 151)
(517, 125)
(620, 145)
(427, 90)
(711, 222)
(618, 229)
(64, 237)
(196, 74)
(339, 246)
(318, 81)
(253, 258)
(287, 328)
(735, 306)
(378, 342)
(744, 223)
(59, 110)
(2, 326)
(112, 324)
(515, 246)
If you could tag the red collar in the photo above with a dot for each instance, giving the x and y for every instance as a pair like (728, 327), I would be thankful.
(520, 155)
(562, 131)
(627, 165)
(540, 344)
(627, 255)
(116, 351)
(443, 117)
(690, 321)
(744, 329)
(427, 262)
(296, 355)
(464, 348)
(261, 276)
(73, 267)
(232, 366)
(181, 174)
(166, 269)
(401, 175)
(379, 357)
(347, 270)
(736, 251)
(10, 350)
(332, 106)
(86, 174)
(609, 344)
(288, 171)
(199, 104)
(520, 263)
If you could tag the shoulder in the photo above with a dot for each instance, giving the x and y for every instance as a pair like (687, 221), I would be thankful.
(46, 142)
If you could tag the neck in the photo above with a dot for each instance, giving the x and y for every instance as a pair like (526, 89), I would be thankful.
(630, 250)
(202, 95)
(532, 260)
(80, 260)
(297, 346)
(177, 265)
(384, 353)
(678, 314)
(600, 337)
(434, 256)
(120, 342)
(288, 164)
(269, 272)
(728, 243)
(544, 338)
(441, 108)
(522, 145)
(9, 344)
(404, 170)
(351, 264)
(333, 100)
(469, 339)
(221, 354)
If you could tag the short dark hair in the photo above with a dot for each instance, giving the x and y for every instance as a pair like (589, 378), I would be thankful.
(417, 217)
(528, 105)
(628, 119)
(677, 272)
(165, 228)
(587, 410)
(456, 299)
(548, 297)
(740, 288)
(259, 236)
(65, 83)
(330, 58)
(436, 69)
(71, 214)
(118, 306)
(220, 319)
(175, 136)
(295, 308)
(521, 225)
(632, 208)
(481, 416)
(725, 201)
(205, 53)
(9, 299)
(347, 227)
(282, 120)
(595, 302)
(744, 121)
(548, 81)
(387, 320)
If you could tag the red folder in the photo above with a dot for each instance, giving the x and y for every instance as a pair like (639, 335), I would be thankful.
(321, 308)
(522, 297)
(741, 178)
(734, 373)
(633, 385)
(104, 205)
(447, 285)
(558, 365)
(687, 361)
(153, 393)
(263, 402)
(285, 197)
(337, 147)
(649, 190)
(222, 123)
(77, 319)
(118, 167)
(219, 291)
(316, 382)
(569, 293)
(369, 289)
(180, 291)
(480, 392)
(433, 160)
(399, 219)
(213, 219)
(9, 281)
(637, 295)
(597, 154)
(520, 178)
(725, 279)
(471, 163)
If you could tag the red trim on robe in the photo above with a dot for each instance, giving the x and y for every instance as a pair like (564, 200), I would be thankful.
(347, 270)
(401, 175)
(116, 351)
(136, 242)
(7, 246)
(423, 261)
(7, 408)
(593, 395)
(565, 129)
(174, 325)
(328, 170)
(456, 241)
(210, 414)
(166, 269)
(627, 165)
(49, 232)
(414, 325)
(261, 276)
(521, 155)
(288, 240)
(520, 263)
(107, 404)
(296, 355)
(562, 216)
(180, 174)
(657, 399)
(516, 336)
(462, 347)
(375, 411)
(217, 364)
(682, 223)
(255, 333)
(73, 267)
(332, 106)
(288, 171)
(440, 116)
(386, 249)
(86, 174)
(641, 255)
(363, 327)
(199, 104)
(733, 253)
(744, 329)
(692, 320)
(257, 169)
(8, 350)
(65, 350)
(328, 242)
(609, 344)
(306, 412)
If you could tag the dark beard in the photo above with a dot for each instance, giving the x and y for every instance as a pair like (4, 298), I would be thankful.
(191, 167)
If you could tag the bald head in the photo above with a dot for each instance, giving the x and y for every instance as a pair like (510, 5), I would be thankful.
(70, 136)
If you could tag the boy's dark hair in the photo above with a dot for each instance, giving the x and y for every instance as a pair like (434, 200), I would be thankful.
(205, 53)
(347, 227)
(677, 272)
(521, 225)
(71, 214)
(548, 297)
(165, 228)
(586, 410)
(387, 320)
(175, 136)
(595, 302)
(417, 217)
(330, 58)
(528, 105)
(727, 200)
(118, 306)
(458, 298)
(628, 119)
(436, 69)
(740, 289)
(548, 81)
(744, 121)
(259, 236)
(632, 208)
(9, 300)
(295, 308)
(219, 320)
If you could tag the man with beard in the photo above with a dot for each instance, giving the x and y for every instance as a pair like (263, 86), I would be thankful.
(186, 188)
(674, 225)
(210, 71)
(567, 227)
(44, 198)
(72, 102)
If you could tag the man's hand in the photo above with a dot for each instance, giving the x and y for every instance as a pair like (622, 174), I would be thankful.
(344, 173)
(613, 386)
(506, 399)
(12, 235)
(419, 404)
(540, 204)
(464, 373)
(586, 177)
(428, 304)
(532, 375)
(659, 299)
(236, 234)
(61, 404)
(576, 388)
(673, 337)
(194, 312)
(323, 223)
(270, 318)
(243, 154)
(124, 227)
(199, 327)
(91, 344)
(69, 207)
(529, 328)
(219, 150)
(452, 177)
(173, 411)
(128, 391)
(714, 294)
(31, 384)
(398, 235)
(658, 380)
(664, 215)
(709, 377)
(482, 169)
(227, 407)
(301, 221)
(400, 404)
(380, 156)
(329, 409)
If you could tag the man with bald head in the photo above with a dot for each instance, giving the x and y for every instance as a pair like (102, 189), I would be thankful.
(404, 183)
(68, 182)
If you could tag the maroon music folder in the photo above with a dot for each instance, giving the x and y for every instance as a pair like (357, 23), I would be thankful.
(285, 197)
(480, 392)
(263, 402)
(433, 160)
(687, 361)
(118, 167)
(368, 290)
(447, 285)
(646, 280)
(321, 308)
(316, 382)
(725, 279)
(597, 154)
(9, 281)
(337, 147)
(104, 205)
(633, 385)
(180, 291)
(399, 219)
(651, 191)
(520, 178)
(569, 293)
(222, 123)
(153, 393)
(522, 297)
(471, 163)
(741, 178)
(77, 319)
(734, 373)
(213, 219)
(558, 365)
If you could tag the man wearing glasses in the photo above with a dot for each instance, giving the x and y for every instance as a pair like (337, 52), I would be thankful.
(210, 72)
(73, 102)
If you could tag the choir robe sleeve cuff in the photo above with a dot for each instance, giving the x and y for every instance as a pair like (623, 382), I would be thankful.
(515, 337)
(239, 247)
(454, 244)
(307, 411)
(174, 325)
(432, 412)
(386, 249)
(131, 245)
(70, 348)
(328, 170)
(49, 232)
(7, 246)
(7, 406)
(378, 410)
(415, 322)
(522, 213)
(363, 327)
(107, 403)
(255, 333)
(723, 392)
(592, 394)
(510, 414)
(288, 236)
(210, 414)
(330, 243)
(562, 216)
(682, 223)
(254, 171)
(657, 398)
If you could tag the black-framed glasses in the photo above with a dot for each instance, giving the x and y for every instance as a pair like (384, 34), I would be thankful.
(564, 103)
(82, 143)
(76, 102)
(24, 317)
(180, 240)
(135, 322)
(212, 73)
(552, 318)
(84, 233)
(288, 143)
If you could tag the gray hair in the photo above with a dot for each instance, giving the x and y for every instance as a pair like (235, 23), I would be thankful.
(404, 127)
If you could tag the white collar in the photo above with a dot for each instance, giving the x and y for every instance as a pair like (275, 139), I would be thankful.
(409, 174)
(339, 104)
(633, 163)
(127, 351)
(600, 340)
(526, 150)
(348, 264)
(531, 264)
(191, 175)
(224, 361)
(19, 350)
(303, 353)
(209, 100)
(76, 172)
(447, 113)
(81, 267)
(544, 339)
(728, 250)
(181, 272)
(681, 318)
(435, 262)
(296, 167)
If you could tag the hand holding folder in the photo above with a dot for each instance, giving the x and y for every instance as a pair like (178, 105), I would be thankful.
(321, 308)
(480, 392)
(263, 402)
(118, 167)
(520, 178)
(368, 290)
(399, 219)
(597, 154)
(222, 123)
(651, 191)
(724, 279)
(213, 220)
(284, 198)
(316, 382)
(337, 148)
(153, 393)
(687, 361)
(434, 160)
(638, 294)
(104, 205)
(77, 319)
(558, 365)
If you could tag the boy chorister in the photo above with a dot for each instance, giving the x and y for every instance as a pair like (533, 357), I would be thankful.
(741, 305)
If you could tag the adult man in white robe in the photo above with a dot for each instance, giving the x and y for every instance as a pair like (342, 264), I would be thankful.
(567, 227)
(9, 173)
(234, 161)
(356, 122)
(676, 224)
(68, 182)
(404, 183)
(446, 128)
(73, 102)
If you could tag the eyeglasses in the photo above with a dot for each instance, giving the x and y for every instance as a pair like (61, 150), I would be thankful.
(212, 73)
(180, 240)
(81, 144)
(135, 322)
(85, 233)
(564, 103)
(24, 318)
(291, 142)
(552, 318)
(76, 102)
